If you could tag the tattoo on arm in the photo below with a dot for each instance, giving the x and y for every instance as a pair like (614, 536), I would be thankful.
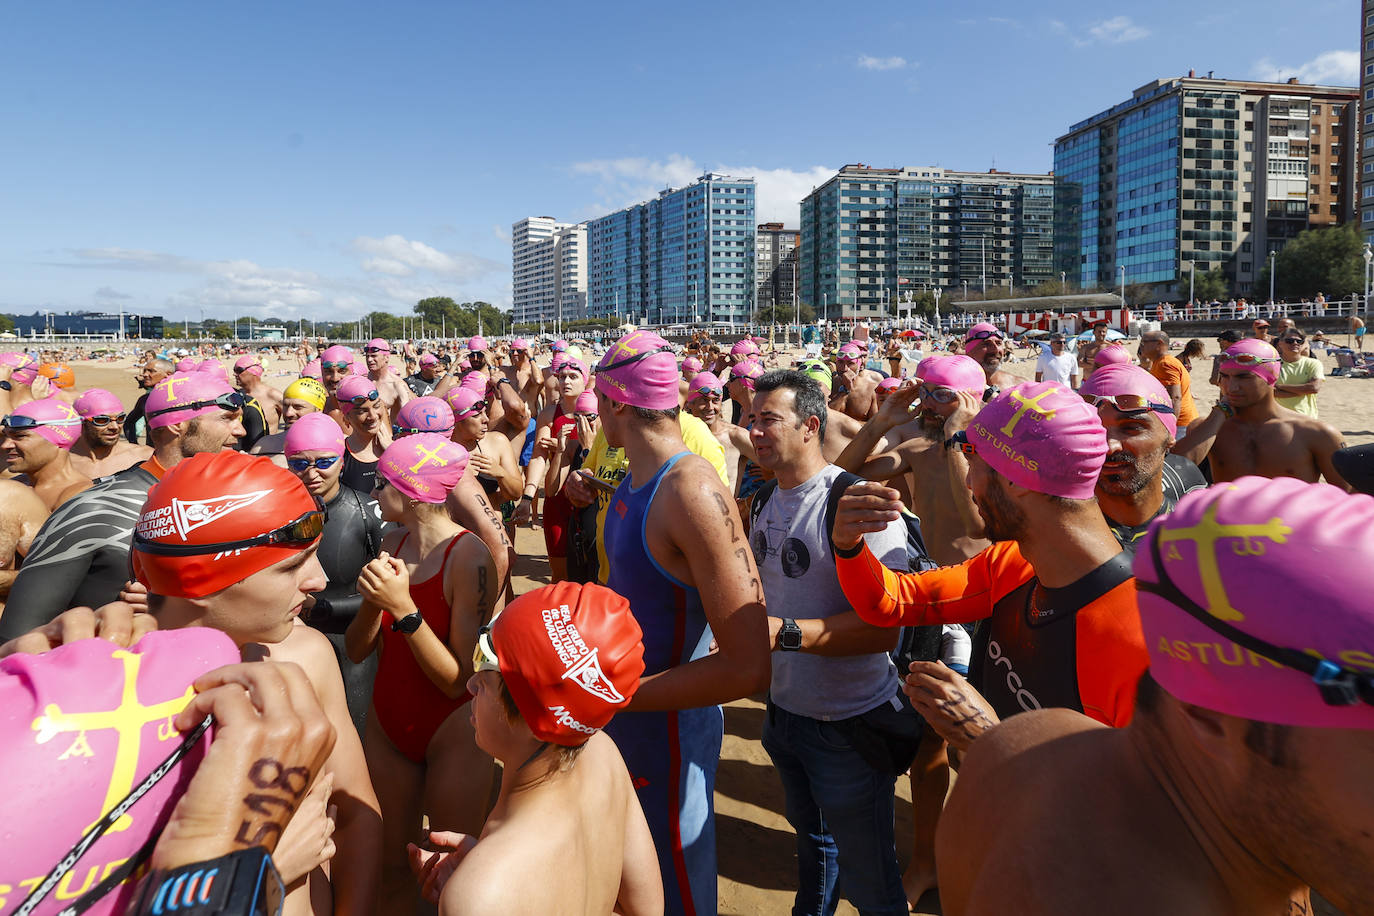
(492, 517)
(482, 592)
(282, 787)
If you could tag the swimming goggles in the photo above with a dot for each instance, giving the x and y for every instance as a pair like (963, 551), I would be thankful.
(401, 431)
(105, 419)
(471, 409)
(938, 394)
(18, 421)
(300, 533)
(1128, 403)
(320, 464)
(326, 364)
(375, 350)
(229, 401)
(606, 367)
(358, 400)
(983, 335)
(483, 655)
(1248, 359)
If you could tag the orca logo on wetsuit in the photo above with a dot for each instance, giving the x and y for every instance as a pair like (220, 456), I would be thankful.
(1023, 696)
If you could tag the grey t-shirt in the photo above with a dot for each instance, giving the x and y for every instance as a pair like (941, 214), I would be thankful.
(792, 549)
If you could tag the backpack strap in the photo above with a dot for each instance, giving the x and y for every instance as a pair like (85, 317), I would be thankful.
(761, 497)
(843, 481)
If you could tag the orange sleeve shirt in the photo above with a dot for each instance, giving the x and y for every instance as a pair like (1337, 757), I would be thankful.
(1170, 371)
(1079, 647)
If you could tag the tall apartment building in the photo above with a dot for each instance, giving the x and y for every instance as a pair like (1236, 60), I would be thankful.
(685, 257)
(775, 264)
(1195, 172)
(1366, 200)
(548, 270)
(868, 236)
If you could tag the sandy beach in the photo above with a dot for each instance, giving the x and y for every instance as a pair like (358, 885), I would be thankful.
(755, 843)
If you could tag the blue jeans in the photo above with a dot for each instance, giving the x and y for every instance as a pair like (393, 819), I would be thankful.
(841, 810)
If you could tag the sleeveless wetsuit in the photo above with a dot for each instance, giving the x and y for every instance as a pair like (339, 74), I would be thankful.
(409, 706)
(1078, 647)
(358, 474)
(557, 509)
(352, 537)
(671, 756)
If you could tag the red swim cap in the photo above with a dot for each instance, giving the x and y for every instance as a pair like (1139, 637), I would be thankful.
(218, 498)
(571, 656)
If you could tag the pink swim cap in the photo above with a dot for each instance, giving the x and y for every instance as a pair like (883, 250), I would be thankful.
(378, 343)
(337, 354)
(248, 363)
(851, 352)
(690, 367)
(425, 466)
(462, 400)
(62, 777)
(703, 382)
(358, 369)
(639, 370)
(954, 371)
(465, 364)
(428, 359)
(745, 373)
(475, 380)
(25, 369)
(187, 364)
(311, 369)
(1250, 350)
(314, 432)
(1124, 378)
(180, 389)
(1277, 560)
(216, 368)
(891, 383)
(427, 415)
(97, 402)
(745, 347)
(355, 386)
(586, 403)
(60, 424)
(477, 344)
(519, 343)
(558, 346)
(1044, 437)
(1112, 355)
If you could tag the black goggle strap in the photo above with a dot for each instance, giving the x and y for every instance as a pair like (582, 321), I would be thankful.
(1339, 686)
(98, 829)
(633, 359)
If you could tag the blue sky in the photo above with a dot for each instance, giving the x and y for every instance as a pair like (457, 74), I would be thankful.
(322, 160)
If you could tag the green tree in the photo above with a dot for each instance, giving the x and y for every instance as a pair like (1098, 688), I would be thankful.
(784, 314)
(1210, 284)
(6, 324)
(1328, 260)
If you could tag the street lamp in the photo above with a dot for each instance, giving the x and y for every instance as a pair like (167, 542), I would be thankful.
(1271, 276)
(1122, 268)
(1192, 276)
(1368, 267)
(937, 291)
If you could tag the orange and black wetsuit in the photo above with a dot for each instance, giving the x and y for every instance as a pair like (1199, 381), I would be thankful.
(1078, 647)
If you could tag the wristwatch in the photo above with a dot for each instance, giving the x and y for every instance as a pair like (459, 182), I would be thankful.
(790, 636)
(408, 624)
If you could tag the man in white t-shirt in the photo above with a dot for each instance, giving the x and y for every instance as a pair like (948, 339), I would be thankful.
(1056, 364)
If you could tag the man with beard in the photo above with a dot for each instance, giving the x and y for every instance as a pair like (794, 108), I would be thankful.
(854, 388)
(1090, 348)
(984, 344)
(149, 374)
(35, 446)
(1055, 588)
(1141, 478)
(705, 395)
(431, 375)
(1250, 433)
(391, 390)
(101, 450)
(80, 558)
(918, 460)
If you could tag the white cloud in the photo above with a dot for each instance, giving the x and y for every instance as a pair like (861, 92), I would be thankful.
(1329, 68)
(109, 292)
(622, 182)
(868, 62)
(1117, 30)
(398, 256)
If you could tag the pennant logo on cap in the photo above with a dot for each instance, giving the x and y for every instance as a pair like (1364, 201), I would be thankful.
(587, 674)
(188, 515)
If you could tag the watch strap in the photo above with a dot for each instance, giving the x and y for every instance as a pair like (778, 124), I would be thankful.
(407, 624)
(242, 883)
(790, 636)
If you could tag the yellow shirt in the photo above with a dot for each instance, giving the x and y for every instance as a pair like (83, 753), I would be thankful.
(611, 465)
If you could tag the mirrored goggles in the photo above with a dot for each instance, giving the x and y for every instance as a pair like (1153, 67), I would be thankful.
(15, 421)
(301, 533)
(105, 419)
(983, 335)
(1128, 403)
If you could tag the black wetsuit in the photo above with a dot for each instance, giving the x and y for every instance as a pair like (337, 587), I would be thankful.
(1180, 476)
(254, 423)
(80, 557)
(421, 386)
(352, 536)
(360, 475)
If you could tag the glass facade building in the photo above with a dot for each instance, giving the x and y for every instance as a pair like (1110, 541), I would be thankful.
(685, 257)
(871, 236)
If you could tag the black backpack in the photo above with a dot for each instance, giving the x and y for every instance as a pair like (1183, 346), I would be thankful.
(915, 643)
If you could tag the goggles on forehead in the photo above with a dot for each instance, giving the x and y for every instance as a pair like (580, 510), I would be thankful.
(16, 421)
(705, 391)
(229, 401)
(329, 364)
(606, 367)
(483, 655)
(983, 335)
(300, 533)
(375, 350)
(475, 407)
(358, 400)
(1128, 403)
(1248, 359)
(320, 464)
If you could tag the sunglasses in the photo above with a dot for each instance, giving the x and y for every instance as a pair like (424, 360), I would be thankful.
(483, 655)
(331, 365)
(479, 406)
(1248, 359)
(375, 350)
(939, 395)
(1128, 403)
(1292, 340)
(105, 419)
(359, 400)
(230, 401)
(301, 533)
(983, 335)
(960, 441)
(15, 421)
(299, 465)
